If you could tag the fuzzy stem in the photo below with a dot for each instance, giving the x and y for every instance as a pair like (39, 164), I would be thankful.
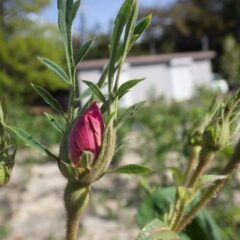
(204, 159)
(76, 198)
(231, 166)
(194, 154)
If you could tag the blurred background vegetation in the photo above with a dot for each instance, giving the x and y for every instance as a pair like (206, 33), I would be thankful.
(185, 25)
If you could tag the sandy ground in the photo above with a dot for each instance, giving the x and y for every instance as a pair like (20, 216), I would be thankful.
(32, 208)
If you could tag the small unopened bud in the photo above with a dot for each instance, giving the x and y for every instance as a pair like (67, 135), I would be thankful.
(87, 147)
(86, 134)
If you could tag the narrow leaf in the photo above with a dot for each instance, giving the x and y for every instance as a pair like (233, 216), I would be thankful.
(129, 112)
(29, 140)
(157, 230)
(56, 69)
(96, 90)
(142, 25)
(83, 51)
(119, 24)
(76, 6)
(48, 98)
(207, 180)
(125, 87)
(139, 29)
(131, 169)
(54, 122)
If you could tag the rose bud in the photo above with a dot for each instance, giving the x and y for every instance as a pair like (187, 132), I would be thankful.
(86, 136)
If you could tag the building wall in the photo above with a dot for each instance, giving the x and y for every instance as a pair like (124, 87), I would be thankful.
(175, 80)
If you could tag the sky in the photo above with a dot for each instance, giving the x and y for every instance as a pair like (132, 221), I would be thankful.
(98, 12)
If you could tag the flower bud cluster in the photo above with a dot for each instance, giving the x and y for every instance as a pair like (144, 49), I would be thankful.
(219, 132)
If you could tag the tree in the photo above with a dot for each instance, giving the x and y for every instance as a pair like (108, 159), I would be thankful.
(230, 61)
(22, 39)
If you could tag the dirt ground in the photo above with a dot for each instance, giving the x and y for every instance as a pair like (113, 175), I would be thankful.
(31, 205)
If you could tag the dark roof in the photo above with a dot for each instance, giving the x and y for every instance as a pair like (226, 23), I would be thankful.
(148, 59)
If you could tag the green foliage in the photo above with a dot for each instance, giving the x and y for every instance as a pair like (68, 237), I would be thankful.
(38, 125)
(231, 54)
(21, 41)
(157, 204)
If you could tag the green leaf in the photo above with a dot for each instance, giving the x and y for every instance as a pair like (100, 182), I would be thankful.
(29, 140)
(130, 26)
(207, 180)
(186, 194)
(54, 122)
(139, 29)
(96, 90)
(178, 176)
(2, 112)
(129, 112)
(83, 51)
(75, 8)
(125, 87)
(142, 25)
(56, 69)
(131, 169)
(157, 230)
(119, 25)
(48, 98)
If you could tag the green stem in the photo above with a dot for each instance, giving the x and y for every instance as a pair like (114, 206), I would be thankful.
(231, 166)
(204, 159)
(194, 154)
(76, 198)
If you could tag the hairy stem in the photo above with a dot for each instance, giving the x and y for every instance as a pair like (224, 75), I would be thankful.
(204, 159)
(76, 198)
(231, 166)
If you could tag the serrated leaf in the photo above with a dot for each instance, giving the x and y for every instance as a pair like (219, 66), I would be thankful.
(186, 194)
(56, 69)
(54, 122)
(125, 87)
(157, 230)
(83, 51)
(29, 139)
(96, 90)
(48, 98)
(207, 180)
(129, 112)
(131, 169)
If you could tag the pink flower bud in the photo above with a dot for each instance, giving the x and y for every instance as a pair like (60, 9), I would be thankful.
(86, 134)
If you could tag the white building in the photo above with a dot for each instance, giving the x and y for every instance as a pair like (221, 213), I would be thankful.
(174, 76)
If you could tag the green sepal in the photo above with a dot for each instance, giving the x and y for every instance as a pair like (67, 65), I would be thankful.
(86, 160)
